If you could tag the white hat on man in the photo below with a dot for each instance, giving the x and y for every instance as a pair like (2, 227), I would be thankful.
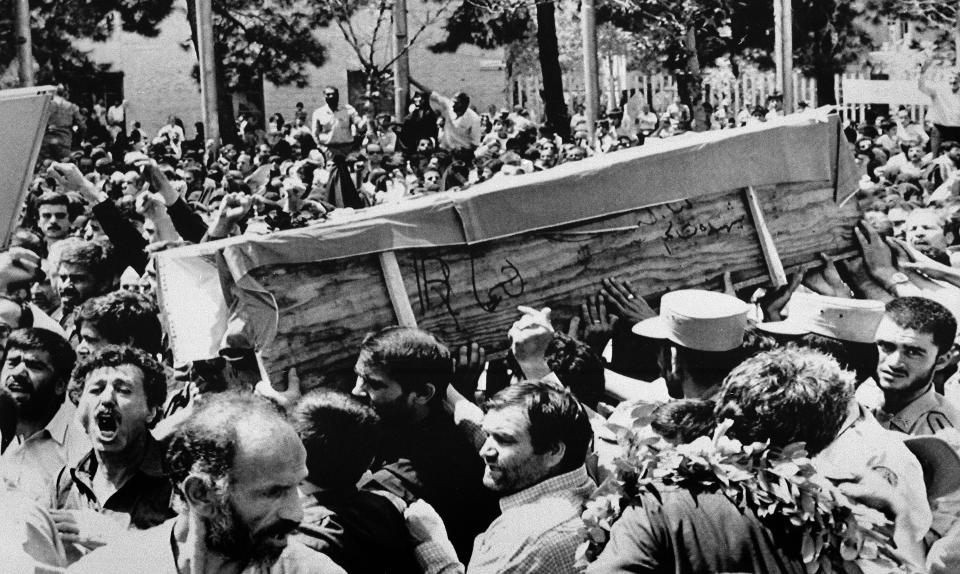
(699, 320)
(853, 320)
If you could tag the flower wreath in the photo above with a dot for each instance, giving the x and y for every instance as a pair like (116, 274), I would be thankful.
(781, 486)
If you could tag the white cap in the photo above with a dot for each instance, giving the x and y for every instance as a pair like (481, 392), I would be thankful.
(854, 320)
(699, 320)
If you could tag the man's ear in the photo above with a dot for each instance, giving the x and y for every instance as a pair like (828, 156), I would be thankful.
(425, 394)
(947, 358)
(156, 414)
(555, 454)
(199, 492)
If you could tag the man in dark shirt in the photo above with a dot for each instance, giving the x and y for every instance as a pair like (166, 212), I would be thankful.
(361, 530)
(419, 124)
(784, 396)
(403, 374)
(121, 479)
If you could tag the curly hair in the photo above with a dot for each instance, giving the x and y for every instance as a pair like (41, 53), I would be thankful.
(95, 255)
(924, 316)
(207, 442)
(683, 420)
(154, 377)
(786, 395)
(340, 434)
(858, 358)
(555, 417)
(577, 367)
(123, 315)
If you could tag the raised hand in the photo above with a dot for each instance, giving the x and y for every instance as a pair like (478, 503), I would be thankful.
(233, 208)
(529, 337)
(776, 298)
(623, 302)
(470, 361)
(594, 326)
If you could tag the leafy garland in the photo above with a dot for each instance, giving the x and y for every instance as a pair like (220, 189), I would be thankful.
(782, 488)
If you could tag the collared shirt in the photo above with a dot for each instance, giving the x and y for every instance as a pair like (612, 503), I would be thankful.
(912, 132)
(944, 107)
(927, 414)
(335, 127)
(142, 501)
(863, 444)
(154, 551)
(31, 465)
(538, 530)
(458, 132)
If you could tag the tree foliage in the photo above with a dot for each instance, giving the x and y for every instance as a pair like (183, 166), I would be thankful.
(936, 16)
(272, 39)
(55, 26)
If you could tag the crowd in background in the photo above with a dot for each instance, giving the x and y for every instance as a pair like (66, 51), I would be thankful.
(438, 460)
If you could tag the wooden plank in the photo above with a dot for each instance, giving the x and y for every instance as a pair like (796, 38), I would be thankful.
(393, 279)
(471, 293)
(767, 244)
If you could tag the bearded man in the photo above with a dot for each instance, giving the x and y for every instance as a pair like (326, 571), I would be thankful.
(235, 465)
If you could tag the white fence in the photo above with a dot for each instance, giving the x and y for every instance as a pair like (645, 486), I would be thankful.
(860, 98)
(658, 90)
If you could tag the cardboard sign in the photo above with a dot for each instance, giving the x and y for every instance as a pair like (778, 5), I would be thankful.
(23, 113)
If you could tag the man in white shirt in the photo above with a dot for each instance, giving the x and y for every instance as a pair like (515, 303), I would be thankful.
(35, 371)
(944, 108)
(461, 125)
(909, 131)
(334, 126)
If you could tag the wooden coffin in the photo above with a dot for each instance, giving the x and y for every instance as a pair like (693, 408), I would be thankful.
(459, 263)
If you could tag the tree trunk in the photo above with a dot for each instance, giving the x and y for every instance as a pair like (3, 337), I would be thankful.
(226, 118)
(690, 82)
(556, 116)
(826, 86)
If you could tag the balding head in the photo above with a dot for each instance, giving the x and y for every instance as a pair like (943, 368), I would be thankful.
(237, 463)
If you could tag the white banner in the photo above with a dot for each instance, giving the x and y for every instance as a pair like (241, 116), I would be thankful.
(892, 92)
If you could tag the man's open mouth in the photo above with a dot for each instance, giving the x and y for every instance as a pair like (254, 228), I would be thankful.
(108, 422)
(15, 386)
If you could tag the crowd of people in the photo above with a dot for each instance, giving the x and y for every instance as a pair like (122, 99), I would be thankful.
(554, 459)
(301, 167)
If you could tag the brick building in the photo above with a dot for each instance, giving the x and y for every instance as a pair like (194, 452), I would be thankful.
(156, 79)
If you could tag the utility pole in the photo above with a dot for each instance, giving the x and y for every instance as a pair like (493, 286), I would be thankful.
(783, 51)
(208, 72)
(24, 42)
(591, 80)
(956, 39)
(401, 66)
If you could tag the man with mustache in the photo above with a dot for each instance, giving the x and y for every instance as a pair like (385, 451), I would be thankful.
(86, 269)
(35, 371)
(53, 217)
(914, 340)
(120, 483)
(403, 373)
(235, 464)
(537, 439)
(926, 230)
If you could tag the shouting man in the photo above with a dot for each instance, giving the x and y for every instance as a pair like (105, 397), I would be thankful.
(235, 517)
